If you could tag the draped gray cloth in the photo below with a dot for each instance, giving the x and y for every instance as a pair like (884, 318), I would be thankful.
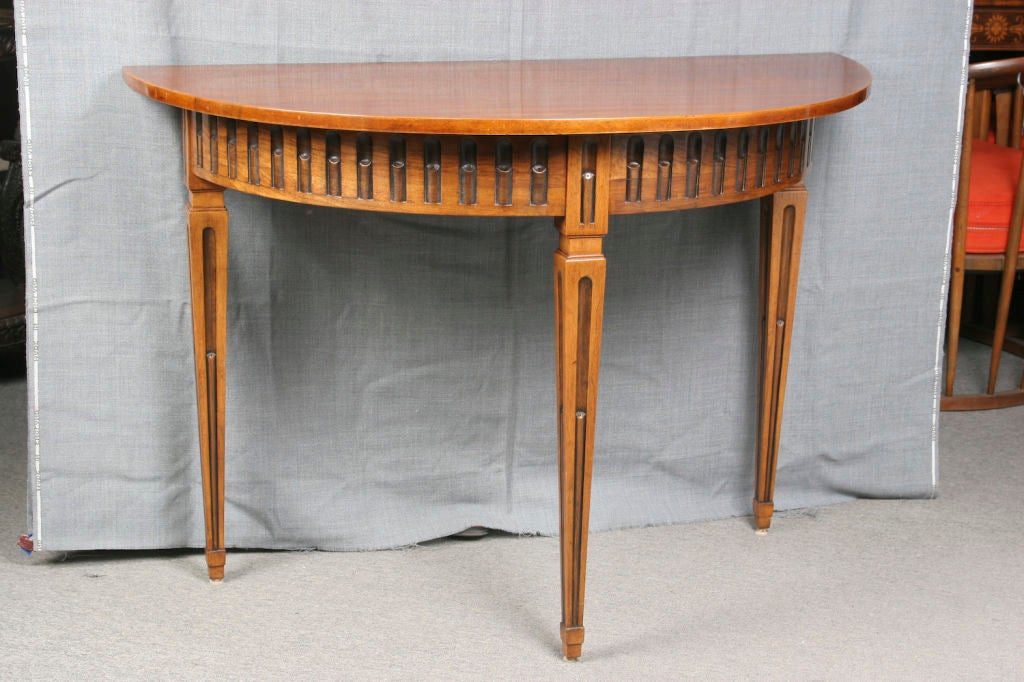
(391, 378)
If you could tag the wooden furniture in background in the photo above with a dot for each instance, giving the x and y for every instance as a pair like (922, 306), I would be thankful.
(997, 25)
(987, 223)
(576, 140)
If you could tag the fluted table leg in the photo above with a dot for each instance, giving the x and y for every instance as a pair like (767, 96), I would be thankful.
(782, 225)
(207, 225)
(579, 270)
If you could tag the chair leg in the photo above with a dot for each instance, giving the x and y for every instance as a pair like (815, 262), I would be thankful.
(1002, 315)
(956, 300)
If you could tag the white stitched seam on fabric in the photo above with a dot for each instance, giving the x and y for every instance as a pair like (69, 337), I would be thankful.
(947, 262)
(30, 205)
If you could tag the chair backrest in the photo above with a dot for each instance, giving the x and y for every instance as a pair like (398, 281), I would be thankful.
(994, 111)
(995, 105)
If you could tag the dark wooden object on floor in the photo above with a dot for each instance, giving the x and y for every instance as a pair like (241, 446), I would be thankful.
(578, 140)
(994, 112)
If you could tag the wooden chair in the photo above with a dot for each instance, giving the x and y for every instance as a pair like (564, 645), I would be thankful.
(987, 223)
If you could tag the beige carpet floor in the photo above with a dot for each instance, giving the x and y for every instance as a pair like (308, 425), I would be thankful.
(869, 590)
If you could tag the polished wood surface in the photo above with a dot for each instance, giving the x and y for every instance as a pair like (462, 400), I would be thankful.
(782, 224)
(207, 227)
(519, 97)
(491, 175)
(577, 140)
(579, 296)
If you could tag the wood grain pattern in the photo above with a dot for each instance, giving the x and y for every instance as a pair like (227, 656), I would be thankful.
(519, 175)
(997, 25)
(207, 229)
(348, 169)
(579, 140)
(554, 97)
(579, 270)
(680, 170)
(782, 222)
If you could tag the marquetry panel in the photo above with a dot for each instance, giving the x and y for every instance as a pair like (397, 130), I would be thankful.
(997, 27)
(444, 174)
(690, 169)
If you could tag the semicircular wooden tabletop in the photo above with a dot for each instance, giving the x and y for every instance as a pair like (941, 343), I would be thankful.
(551, 97)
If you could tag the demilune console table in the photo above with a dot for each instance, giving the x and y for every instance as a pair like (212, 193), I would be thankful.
(577, 140)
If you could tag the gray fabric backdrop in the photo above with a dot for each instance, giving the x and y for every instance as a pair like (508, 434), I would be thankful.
(391, 378)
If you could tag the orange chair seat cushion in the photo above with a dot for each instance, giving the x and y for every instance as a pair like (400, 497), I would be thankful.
(994, 173)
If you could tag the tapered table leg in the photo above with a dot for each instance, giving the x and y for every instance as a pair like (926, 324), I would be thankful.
(579, 270)
(782, 224)
(207, 225)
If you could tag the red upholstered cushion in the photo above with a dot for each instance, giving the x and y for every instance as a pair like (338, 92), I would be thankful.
(994, 172)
